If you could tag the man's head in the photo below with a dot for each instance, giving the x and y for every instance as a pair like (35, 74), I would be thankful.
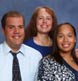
(13, 29)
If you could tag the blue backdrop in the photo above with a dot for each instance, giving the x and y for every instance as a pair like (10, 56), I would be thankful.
(66, 10)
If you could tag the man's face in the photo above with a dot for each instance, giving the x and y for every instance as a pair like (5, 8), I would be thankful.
(14, 32)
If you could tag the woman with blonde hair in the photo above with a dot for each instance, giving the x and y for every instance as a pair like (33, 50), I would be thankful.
(40, 30)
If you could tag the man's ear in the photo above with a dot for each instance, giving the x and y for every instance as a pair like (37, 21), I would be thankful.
(3, 31)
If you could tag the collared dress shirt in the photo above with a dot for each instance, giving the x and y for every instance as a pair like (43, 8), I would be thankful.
(28, 61)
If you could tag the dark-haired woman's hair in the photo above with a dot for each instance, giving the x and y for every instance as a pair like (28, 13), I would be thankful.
(55, 50)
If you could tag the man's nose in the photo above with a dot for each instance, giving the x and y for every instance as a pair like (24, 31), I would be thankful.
(16, 30)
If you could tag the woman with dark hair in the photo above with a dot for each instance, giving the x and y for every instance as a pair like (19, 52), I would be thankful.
(39, 32)
(62, 64)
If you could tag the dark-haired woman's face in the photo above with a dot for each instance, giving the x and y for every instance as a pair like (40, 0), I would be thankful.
(66, 38)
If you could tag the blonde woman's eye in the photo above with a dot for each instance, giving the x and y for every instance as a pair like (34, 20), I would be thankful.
(49, 18)
(40, 18)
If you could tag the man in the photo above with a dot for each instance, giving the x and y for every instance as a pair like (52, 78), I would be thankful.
(27, 57)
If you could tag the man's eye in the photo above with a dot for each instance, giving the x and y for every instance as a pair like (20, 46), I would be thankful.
(21, 27)
(10, 27)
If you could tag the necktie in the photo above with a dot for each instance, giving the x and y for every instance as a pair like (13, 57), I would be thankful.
(16, 69)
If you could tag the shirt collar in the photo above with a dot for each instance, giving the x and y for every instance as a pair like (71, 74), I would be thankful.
(22, 50)
(7, 49)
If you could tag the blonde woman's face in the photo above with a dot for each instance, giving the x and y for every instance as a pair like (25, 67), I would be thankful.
(44, 21)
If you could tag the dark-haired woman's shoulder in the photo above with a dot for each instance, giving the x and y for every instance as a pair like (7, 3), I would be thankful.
(50, 70)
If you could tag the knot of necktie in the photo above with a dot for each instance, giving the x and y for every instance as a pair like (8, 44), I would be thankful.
(13, 53)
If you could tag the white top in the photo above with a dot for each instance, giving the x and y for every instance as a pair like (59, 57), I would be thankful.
(28, 61)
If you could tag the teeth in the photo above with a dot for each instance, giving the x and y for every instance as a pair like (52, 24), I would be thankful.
(44, 25)
(16, 37)
(66, 45)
